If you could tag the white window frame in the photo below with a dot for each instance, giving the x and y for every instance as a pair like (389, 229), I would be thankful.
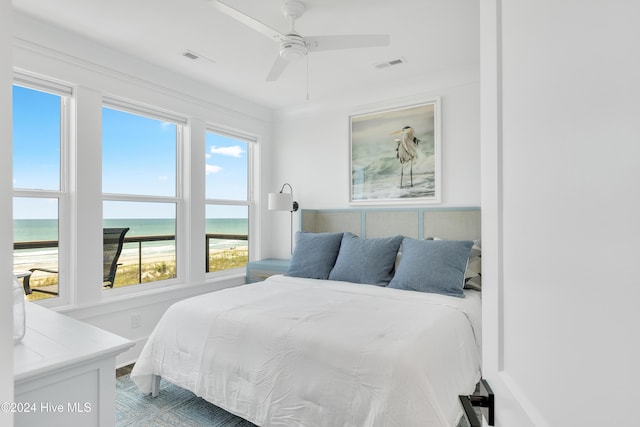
(66, 94)
(252, 142)
(181, 123)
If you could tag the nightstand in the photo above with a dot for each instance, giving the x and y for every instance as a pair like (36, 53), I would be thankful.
(257, 271)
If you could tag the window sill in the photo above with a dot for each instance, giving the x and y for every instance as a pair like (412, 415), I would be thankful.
(149, 296)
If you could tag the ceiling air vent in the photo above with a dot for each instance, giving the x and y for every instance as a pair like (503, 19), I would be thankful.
(390, 63)
(197, 57)
(190, 55)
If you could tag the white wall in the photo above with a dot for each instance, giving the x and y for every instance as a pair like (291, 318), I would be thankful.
(96, 70)
(6, 225)
(560, 145)
(311, 144)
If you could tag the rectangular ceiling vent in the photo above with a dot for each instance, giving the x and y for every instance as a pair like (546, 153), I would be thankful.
(190, 55)
(195, 56)
(386, 64)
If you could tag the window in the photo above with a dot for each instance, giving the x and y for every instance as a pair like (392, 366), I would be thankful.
(40, 141)
(140, 184)
(228, 202)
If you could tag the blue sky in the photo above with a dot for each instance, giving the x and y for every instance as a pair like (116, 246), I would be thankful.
(226, 168)
(36, 149)
(139, 157)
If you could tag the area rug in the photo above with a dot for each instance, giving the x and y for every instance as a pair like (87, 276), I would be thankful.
(174, 407)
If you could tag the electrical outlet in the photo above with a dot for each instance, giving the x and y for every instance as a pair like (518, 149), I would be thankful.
(136, 321)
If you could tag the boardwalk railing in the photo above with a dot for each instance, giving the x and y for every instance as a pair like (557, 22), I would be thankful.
(40, 244)
(209, 237)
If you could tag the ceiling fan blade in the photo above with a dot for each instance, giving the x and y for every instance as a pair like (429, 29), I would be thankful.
(320, 43)
(248, 21)
(277, 68)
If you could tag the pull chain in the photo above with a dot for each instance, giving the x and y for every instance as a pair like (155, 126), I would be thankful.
(307, 77)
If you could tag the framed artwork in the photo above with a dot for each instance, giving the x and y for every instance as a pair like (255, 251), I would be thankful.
(396, 155)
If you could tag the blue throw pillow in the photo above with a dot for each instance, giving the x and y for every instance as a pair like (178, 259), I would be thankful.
(369, 261)
(435, 266)
(314, 255)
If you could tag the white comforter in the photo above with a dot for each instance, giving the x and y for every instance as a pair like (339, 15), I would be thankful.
(302, 352)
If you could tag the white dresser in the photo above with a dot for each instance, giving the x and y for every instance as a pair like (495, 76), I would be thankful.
(64, 372)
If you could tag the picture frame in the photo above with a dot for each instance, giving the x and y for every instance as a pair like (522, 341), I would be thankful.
(396, 155)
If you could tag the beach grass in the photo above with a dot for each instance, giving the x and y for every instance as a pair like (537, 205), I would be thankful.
(128, 273)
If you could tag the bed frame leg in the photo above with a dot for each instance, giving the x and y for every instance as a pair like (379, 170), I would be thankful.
(484, 399)
(155, 385)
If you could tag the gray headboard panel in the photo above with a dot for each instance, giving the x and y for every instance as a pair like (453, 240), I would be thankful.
(316, 221)
(452, 225)
(390, 223)
(446, 223)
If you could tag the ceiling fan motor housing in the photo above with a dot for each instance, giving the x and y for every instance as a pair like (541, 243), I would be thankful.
(292, 9)
(293, 48)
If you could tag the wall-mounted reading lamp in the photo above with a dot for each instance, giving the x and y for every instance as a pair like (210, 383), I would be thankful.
(284, 202)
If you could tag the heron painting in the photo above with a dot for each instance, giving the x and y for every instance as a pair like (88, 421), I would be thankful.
(406, 150)
(395, 155)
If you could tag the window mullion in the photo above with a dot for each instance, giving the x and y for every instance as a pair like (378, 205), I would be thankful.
(228, 202)
(65, 137)
(136, 198)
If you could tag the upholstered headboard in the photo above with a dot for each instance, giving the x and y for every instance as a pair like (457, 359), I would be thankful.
(419, 223)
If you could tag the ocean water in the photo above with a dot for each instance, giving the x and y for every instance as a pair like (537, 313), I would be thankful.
(376, 172)
(26, 230)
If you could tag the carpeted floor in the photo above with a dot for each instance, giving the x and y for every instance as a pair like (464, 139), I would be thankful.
(174, 407)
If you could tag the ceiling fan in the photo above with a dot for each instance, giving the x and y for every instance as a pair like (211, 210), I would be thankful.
(293, 45)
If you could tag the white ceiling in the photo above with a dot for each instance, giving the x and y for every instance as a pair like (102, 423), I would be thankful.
(430, 35)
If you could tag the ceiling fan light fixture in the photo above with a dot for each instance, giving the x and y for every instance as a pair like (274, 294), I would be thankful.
(293, 48)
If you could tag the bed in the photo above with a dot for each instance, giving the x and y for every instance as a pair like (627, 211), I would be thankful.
(341, 340)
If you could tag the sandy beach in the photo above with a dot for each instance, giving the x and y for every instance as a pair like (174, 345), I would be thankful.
(158, 263)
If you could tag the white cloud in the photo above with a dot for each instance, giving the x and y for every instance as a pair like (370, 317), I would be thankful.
(213, 169)
(163, 178)
(233, 151)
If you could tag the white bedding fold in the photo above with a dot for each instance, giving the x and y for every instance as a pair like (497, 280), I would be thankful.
(303, 352)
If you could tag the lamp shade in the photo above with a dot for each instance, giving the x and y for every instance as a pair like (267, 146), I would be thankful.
(280, 202)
